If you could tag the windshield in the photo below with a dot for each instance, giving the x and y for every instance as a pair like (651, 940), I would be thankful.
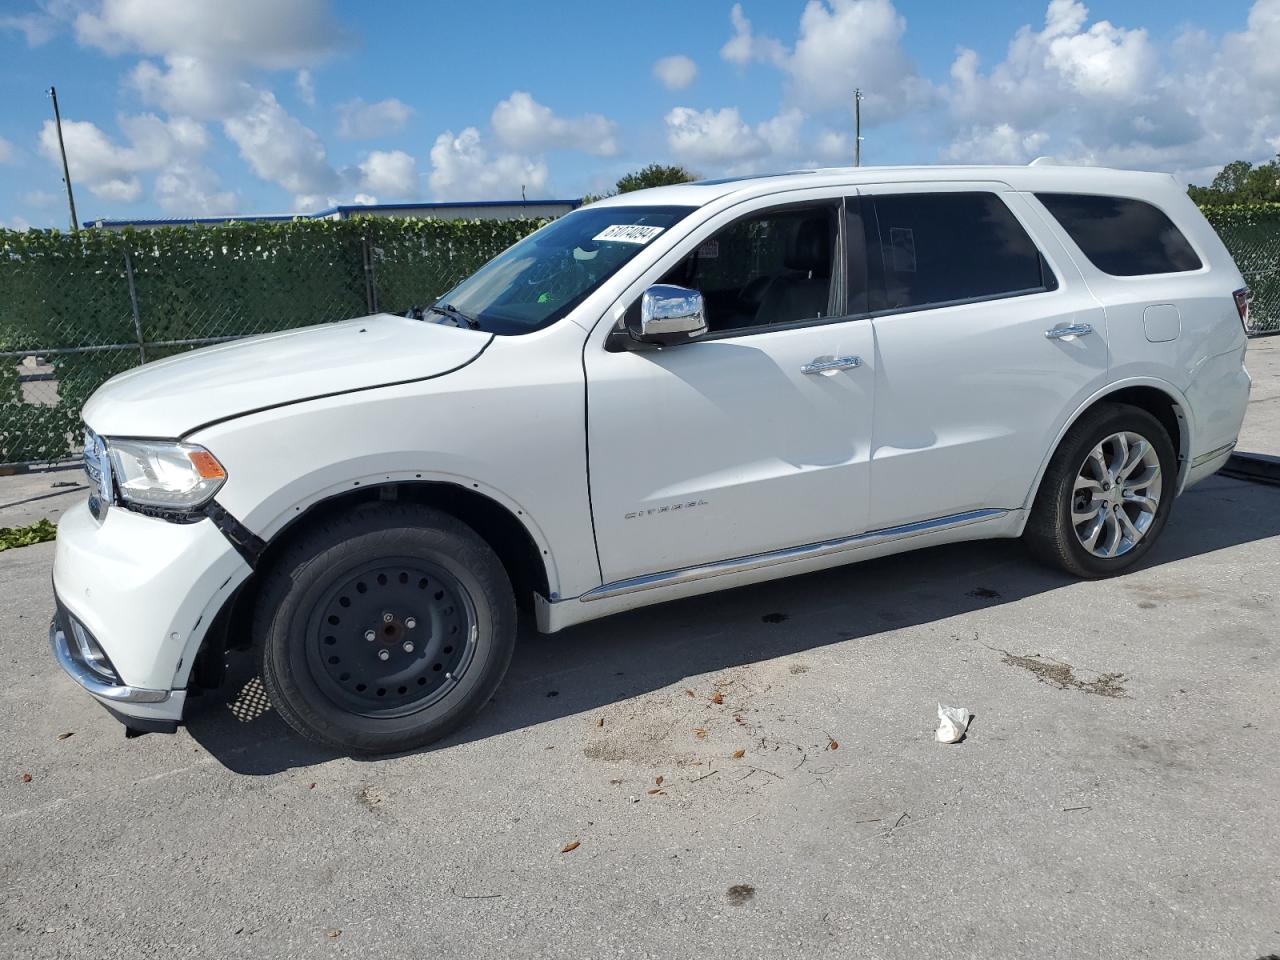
(540, 279)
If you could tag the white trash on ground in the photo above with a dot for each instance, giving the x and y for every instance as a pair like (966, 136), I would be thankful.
(952, 723)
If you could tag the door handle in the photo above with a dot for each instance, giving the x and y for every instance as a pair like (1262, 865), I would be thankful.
(831, 364)
(1069, 331)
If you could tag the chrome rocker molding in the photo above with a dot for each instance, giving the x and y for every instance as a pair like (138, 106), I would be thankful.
(85, 677)
(809, 551)
(1213, 454)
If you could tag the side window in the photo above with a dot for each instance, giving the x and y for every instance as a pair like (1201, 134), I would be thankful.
(768, 268)
(933, 248)
(1122, 236)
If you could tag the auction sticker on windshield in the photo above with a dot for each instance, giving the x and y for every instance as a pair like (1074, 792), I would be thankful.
(628, 233)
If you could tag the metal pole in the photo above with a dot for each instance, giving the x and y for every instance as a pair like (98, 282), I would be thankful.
(66, 172)
(857, 127)
(133, 302)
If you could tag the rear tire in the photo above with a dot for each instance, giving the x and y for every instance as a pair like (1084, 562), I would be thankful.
(384, 628)
(1106, 495)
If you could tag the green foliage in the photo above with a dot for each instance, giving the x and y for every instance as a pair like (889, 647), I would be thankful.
(654, 175)
(1241, 182)
(38, 532)
(60, 290)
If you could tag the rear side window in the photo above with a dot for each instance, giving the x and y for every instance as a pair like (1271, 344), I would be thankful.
(1122, 236)
(935, 248)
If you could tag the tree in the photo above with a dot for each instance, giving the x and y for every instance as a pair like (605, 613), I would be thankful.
(1241, 182)
(654, 175)
(1232, 177)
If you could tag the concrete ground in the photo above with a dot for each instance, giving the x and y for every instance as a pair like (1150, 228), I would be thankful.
(1115, 796)
(1261, 431)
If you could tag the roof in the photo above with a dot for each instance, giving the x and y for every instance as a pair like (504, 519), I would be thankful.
(342, 209)
(1039, 175)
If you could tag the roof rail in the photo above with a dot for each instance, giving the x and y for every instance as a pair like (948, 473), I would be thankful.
(1043, 162)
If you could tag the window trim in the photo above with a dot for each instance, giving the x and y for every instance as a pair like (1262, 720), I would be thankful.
(876, 271)
(1066, 234)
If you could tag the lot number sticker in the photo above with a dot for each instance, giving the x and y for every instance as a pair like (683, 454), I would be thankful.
(628, 233)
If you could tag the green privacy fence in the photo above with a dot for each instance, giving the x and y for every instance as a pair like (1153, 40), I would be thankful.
(76, 309)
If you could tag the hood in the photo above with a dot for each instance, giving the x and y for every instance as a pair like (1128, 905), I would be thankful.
(169, 398)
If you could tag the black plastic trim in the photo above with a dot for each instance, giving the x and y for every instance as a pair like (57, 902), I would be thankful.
(137, 726)
(247, 543)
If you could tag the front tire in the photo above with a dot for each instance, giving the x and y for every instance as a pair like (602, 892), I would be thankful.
(384, 628)
(1106, 495)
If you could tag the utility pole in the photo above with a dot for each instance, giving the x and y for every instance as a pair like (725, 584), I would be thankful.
(62, 147)
(857, 126)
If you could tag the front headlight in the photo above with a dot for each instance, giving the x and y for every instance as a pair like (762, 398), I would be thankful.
(179, 476)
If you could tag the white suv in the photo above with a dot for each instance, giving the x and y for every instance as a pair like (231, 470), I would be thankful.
(661, 394)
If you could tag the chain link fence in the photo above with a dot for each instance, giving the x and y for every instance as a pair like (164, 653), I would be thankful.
(76, 309)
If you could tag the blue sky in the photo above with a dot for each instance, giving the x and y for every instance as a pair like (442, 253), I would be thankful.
(175, 109)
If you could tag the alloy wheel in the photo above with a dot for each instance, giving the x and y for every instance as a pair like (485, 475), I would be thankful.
(1116, 494)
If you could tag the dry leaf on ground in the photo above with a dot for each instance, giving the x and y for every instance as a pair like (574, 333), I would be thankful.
(571, 846)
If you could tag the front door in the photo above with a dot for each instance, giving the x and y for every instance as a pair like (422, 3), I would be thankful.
(736, 444)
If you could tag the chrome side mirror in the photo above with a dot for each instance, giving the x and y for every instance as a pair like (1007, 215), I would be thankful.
(668, 315)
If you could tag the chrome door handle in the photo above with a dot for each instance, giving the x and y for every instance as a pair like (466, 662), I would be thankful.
(1068, 332)
(831, 364)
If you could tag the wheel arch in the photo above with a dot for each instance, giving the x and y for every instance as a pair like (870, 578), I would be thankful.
(524, 554)
(1160, 398)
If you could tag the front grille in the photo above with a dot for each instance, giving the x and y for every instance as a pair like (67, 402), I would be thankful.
(97, 466)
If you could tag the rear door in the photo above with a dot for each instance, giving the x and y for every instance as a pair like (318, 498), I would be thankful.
(974, 377)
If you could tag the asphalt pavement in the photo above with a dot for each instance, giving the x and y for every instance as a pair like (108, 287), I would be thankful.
(749, 774)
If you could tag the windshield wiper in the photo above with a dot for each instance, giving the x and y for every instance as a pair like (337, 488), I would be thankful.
(456, 315)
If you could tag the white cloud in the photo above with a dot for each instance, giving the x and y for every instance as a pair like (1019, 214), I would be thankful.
(280, 35)
(744, 46)
(463, 169)
(675, 72)
(999, 144)
(358, 120)
(209, 49)
(393, 174)
(190, 86)
(7, 152)
(15, 223)
(279, 148)
(841, 45)
(37, 28)
(1106, 93)
(42, 199)
(109, 169)
(305, 84)
(193, 190)
(722, 139)
(524, 124)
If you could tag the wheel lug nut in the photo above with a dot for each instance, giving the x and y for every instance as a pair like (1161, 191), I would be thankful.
(370, 635)
(387, 618)
(384, 655)
(407, 647)
(411, 623)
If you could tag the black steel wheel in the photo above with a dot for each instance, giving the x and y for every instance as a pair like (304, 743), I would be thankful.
(385, 628)
(392, 637)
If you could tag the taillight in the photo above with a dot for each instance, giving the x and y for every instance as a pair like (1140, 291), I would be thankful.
(1242, 306)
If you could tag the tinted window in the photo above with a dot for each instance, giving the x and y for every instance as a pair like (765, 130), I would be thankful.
(943, 247)
(765, 269)
(540, 279)
(1120, 236)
